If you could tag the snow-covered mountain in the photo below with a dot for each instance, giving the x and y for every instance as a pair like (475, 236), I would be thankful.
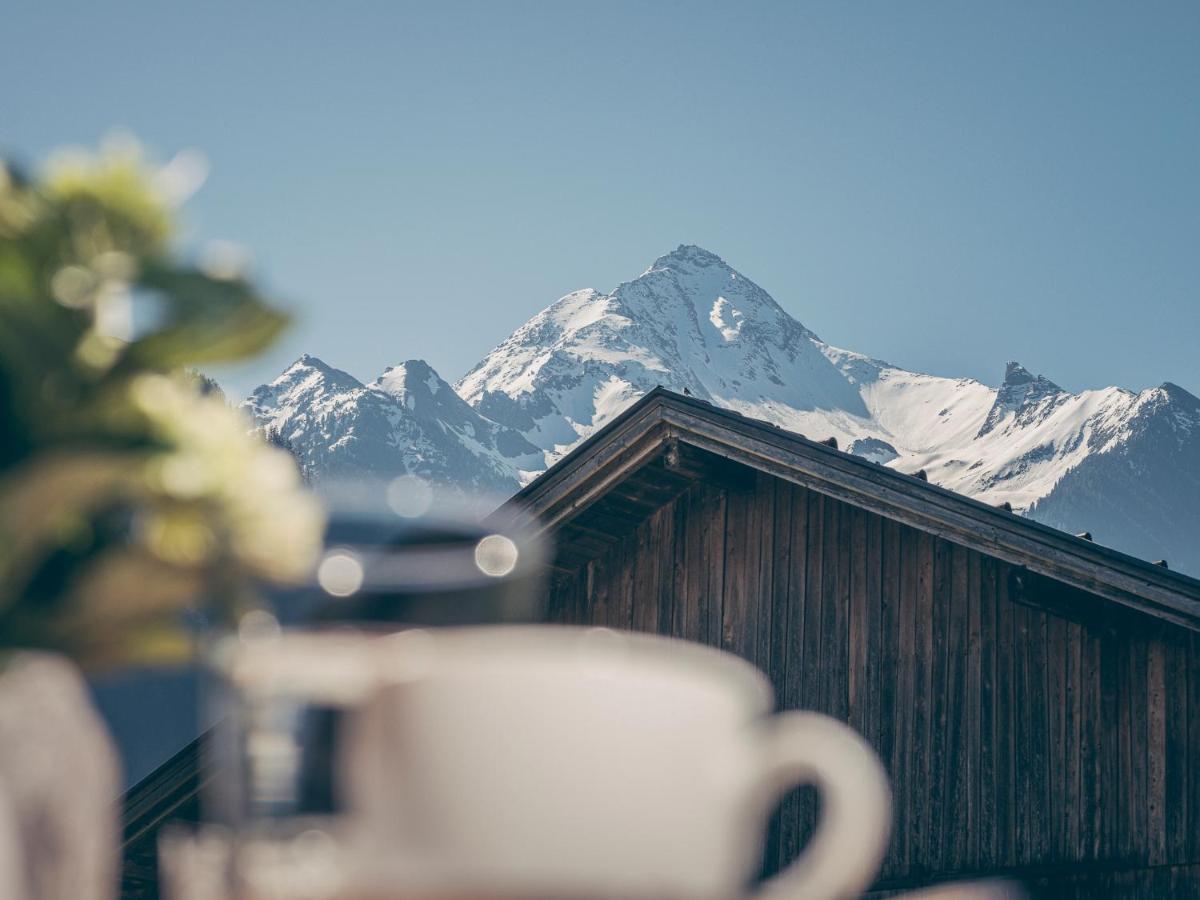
(408, 421)
(1123, 465)
(1139, 488)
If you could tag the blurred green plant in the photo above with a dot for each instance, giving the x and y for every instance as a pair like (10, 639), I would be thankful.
(127, 491)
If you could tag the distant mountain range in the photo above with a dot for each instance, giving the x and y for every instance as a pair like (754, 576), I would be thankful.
(1123, 465)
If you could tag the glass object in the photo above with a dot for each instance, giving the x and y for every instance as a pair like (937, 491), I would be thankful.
(401, 554)
(284, 685)
(539, 762)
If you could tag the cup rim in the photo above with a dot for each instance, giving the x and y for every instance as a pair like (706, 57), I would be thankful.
(283, 660)
(731, 672)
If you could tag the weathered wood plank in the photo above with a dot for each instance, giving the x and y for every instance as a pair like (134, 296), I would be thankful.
(680, 566)
(624, 571)
(735, 603)
(858, 679)
(1193, 744)
(938, 775)
(811, 662)
(790, 835)
(747, 641)
(1114, 882)
(838, 665)
(780, 544)
(1155, 764)
(1038, 763)
(1073, 847)
(798, 599)
(1138, 821)
(908, 781)
(716, 512)
(1024, 689)
(921, 838)
(891, 698)
(1007, 716)
(647, 569)
(556, 585)
(983, 574)
(696, 583)
(666, 553)
(1129, 760)
(958, 818)
(1176, 790)
(1091, 804)
(874, 653)
(1056, 737)
(762, 599)
(827, 652)
(575, 602)
(598, 590)
(1115, 745)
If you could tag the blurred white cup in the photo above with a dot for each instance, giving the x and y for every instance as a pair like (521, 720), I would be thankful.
(556, 761)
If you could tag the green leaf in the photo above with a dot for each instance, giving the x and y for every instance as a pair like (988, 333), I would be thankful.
(205, 320)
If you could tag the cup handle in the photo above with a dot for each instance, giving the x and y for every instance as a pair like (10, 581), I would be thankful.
(845, 851)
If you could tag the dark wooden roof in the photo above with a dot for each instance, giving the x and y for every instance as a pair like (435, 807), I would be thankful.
(170, 792)
(666, 441)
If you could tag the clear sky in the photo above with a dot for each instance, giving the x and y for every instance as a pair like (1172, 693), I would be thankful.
(943, 185)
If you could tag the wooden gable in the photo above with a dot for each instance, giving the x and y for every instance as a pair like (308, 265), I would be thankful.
(1033, 726)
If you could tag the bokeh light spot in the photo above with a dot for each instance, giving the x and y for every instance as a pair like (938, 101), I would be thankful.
(258, 625)
(409, 496)
(340, 573)
(496, 555)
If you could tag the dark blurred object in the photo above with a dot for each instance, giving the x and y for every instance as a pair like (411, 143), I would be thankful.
(398, 555)
(285, 684)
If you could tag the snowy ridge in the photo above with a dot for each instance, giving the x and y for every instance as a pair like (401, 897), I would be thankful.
(409, 421)
(688, 322)
(1123, 465)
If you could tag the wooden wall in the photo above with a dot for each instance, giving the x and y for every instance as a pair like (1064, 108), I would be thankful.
(1028, 728)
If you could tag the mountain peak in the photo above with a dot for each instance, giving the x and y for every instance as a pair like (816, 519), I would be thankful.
(1178, 402)
(1015, 373)
(690, 255)
(415, 367)
(409, 377)
(304, 383)
(1017, 377)
(308, 367)
(309, 361)
(1175, 392)
(407, 421)
(1023, 396)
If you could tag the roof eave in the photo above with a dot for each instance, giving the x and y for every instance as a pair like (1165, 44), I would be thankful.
(635, 436)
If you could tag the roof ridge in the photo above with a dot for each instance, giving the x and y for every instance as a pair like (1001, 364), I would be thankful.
(1001, 534)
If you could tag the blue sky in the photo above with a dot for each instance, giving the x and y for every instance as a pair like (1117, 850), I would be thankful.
(943, 185)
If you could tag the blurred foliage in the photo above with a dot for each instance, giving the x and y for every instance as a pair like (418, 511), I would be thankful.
(128, 487)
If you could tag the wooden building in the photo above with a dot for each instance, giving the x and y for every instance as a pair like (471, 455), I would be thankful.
(1034, 696)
